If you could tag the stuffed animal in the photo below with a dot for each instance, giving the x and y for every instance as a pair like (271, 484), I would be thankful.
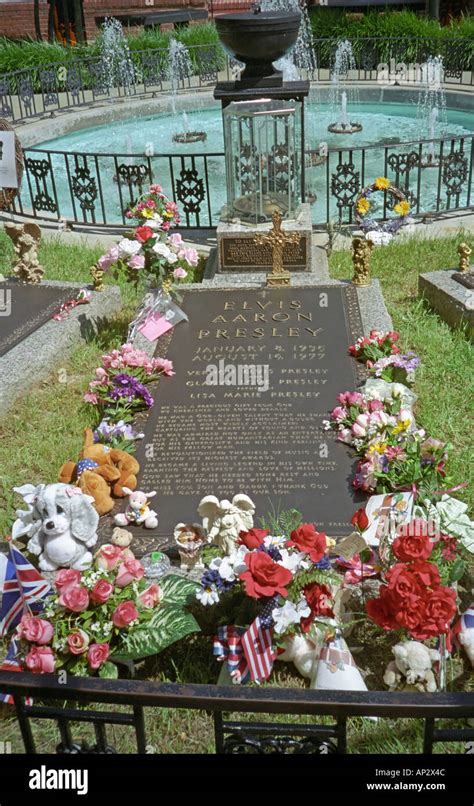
(138, 510)
(61, 524)
(463, 632)
(101, 472)
(412, 666)
(304, 652)
(224, 520)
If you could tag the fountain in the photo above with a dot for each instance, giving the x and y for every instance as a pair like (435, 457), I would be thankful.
(179, 68)
(115, 58)
(343, 63)
(431, 111)
(186, 135)
(302, 56)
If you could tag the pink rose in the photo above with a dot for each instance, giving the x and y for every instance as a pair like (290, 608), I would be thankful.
(67, 577)
(101, 375)
(101, 591)
(124, 614)
(156, 189)
(179, 273)
(339, 413)
(77, 642)
(108, 557)
(345, 435)
(75, 599)
(375, 405)
(129, 570)
(175, 239)
(40, 659)
(359, 428)
(97, 655)
(36, 629)
(90, 398)
(151, 596)
(136, 262)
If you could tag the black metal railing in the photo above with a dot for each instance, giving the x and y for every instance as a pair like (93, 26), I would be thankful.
(60, 86)
(94, 190)
(60, 702)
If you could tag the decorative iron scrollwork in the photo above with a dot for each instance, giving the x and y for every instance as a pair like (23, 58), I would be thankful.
(73, 83)
(154, 71)
(84, 188)
(26, 92)
(133, 175)
(82, 748)
(190, 190)
(100, 79)
(277, 745)
(403, 163)
(455, 171)
(5, 105)
(207, 65)
(48, 87)
(345, 185)
(39, 169)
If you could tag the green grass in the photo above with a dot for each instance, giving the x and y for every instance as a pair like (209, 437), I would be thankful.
(45, 428)
(445, 378)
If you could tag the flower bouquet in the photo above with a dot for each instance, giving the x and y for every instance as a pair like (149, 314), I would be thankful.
(280, 585)
(382, 357)
(107, 613)
(150, 253)
(119, 388)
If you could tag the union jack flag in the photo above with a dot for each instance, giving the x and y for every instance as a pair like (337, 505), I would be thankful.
(12, 664)
(258, 650)
(21, 585)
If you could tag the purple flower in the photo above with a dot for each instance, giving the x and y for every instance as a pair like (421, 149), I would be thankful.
(272, 551)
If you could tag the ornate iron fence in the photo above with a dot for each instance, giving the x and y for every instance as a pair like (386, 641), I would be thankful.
(94, 190)
(52, 88)
(60, 702)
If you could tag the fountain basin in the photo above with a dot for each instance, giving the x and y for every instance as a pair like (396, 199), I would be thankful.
(258, 40)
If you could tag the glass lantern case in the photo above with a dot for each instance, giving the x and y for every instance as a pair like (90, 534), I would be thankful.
(262, 142)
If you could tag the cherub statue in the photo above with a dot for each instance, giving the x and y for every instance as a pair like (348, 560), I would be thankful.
(361, 249)
(223, 520)
(464, 253)
(26, 238)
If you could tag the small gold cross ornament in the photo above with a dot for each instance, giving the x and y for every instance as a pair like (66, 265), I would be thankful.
(277, 239)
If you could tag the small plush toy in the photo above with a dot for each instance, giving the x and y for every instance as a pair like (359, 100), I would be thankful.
(224, 520)
(463, 632)
(61, 524)
(101, 472)
(138, 510)
(412, 667)
(304, 652)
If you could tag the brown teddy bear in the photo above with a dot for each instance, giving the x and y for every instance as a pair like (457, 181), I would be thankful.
(101, 472)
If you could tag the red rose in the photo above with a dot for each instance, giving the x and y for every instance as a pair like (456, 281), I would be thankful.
(143, 234)
(360, 519)
(319, 598)
(124, 614)
(440, 609)
(426, 574)
(410, 612)
(413, 542)
(66, 578)
(264, 577)
(254, 538)
(402, 581)
(380, 610)
(308, 540)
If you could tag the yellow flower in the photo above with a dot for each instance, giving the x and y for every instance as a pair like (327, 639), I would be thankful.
(378, 447)
(402, 426)
(146, 213)
(402, 208)
(382, 183)
(363, 206)
(330, 542)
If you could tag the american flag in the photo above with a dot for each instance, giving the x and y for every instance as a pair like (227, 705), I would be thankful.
(228, 647)
(465, 622)
(12, 664)
(21, 585)
(258, 650)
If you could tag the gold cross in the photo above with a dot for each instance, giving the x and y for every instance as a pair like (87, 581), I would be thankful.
(277, 239)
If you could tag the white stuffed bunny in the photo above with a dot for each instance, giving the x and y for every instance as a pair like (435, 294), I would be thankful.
(223, 520)
(412, 666)
(138, 510)
(61, 523)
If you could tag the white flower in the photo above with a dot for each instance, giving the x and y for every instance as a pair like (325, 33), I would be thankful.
(208, 596)
(155, 221)
(172, 258)
(127, 248)
(162, 249)
(237, 560)
(291, 560)
(289, 614)
(275, 540)
(224, 566)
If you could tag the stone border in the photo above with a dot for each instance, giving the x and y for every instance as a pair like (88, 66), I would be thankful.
(43, 350)
(448, 298)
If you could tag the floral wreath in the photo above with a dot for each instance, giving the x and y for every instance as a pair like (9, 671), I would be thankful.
(363, 206)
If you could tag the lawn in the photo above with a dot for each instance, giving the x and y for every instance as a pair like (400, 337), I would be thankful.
(45, 428)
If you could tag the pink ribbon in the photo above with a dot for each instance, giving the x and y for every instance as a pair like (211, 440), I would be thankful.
(83, 297)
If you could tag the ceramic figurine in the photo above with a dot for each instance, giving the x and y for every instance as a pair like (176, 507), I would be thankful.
(190, 539)
(138, 510)
(61, 523)
(337, 668)
(26, 238)
(224, 520)
(412, 667)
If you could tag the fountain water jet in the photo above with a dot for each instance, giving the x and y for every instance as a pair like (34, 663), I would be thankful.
(341, 92)
(302, 57)
(115, 56)
(431, 110)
